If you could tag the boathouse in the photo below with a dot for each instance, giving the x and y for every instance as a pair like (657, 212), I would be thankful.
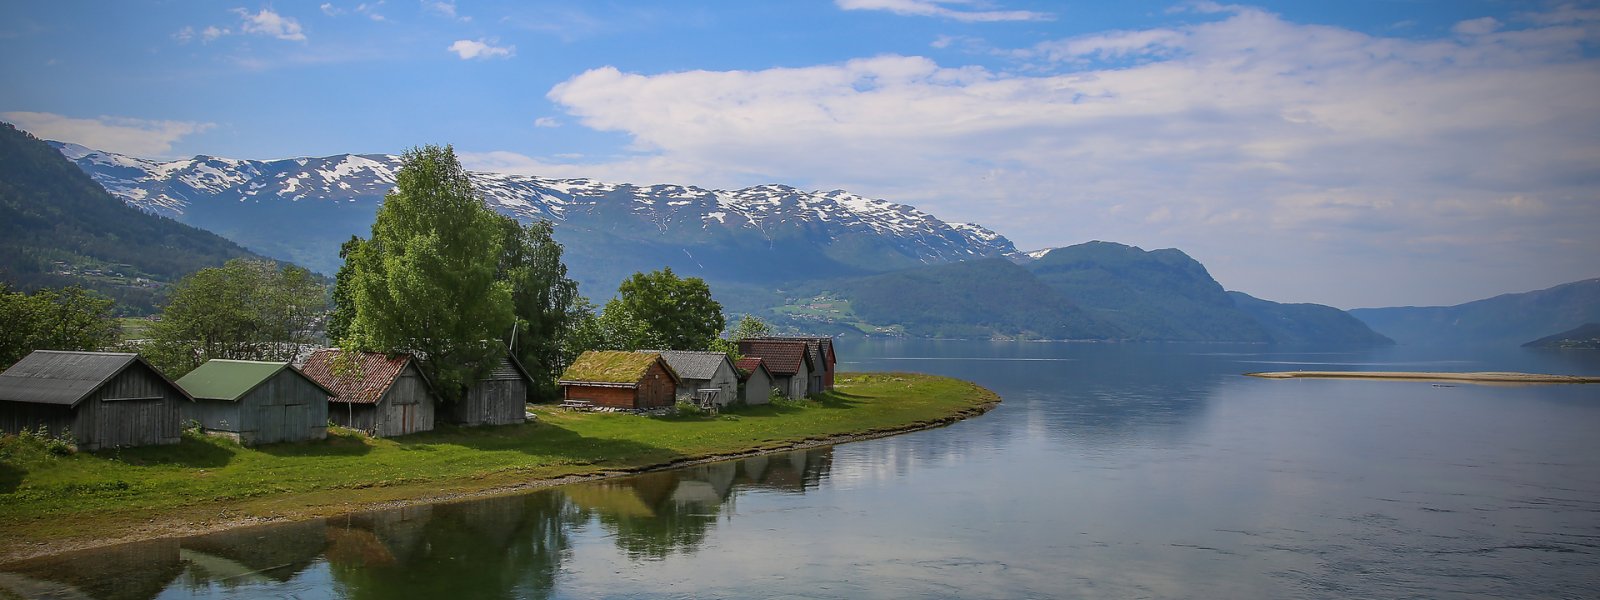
(699, 372)
(823, 359)
(380, 394)
(620, 380)
(104, 399)
(499, 398)
(789, 360)
(755, 381)
(256, 402)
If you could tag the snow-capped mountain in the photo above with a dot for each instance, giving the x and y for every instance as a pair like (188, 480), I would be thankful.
(301, 209)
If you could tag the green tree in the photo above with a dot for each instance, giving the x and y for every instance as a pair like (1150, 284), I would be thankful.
(247, 309)
(680, 312)
(542, 298)
(344, 306)
(425, 282)
(70, 318)
(749, 326)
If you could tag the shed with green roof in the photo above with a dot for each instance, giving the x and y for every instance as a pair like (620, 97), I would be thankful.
(620, 380)
(256, 402)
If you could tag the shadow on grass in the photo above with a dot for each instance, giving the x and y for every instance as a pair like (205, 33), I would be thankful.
(10, 478)
(545, 440)
(336, 444)
(196, 451)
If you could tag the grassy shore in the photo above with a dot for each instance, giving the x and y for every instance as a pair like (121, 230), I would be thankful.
(50, 502)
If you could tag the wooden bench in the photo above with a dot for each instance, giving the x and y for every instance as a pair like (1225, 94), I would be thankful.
(577, 405)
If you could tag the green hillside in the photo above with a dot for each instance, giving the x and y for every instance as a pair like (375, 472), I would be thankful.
(1582, 337)
(1505, 320)
(58, 227)
(972, 299)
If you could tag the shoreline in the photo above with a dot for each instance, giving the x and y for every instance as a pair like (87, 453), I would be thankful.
(1478, 377)
(455, 490)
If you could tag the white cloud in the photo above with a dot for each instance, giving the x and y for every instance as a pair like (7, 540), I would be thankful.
(480, 48)
(135, 137)
(941, 8)
(1315, 144)
(445, 8)
(270, 24)
(546, 122)
(329, 9)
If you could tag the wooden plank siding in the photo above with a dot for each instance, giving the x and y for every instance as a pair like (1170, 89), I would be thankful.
(136, 408)
(490, 402)
(16, 417)
(408, 407)
(285, 408)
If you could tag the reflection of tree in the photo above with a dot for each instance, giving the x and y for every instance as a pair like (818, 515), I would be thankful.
(255, 554)
(495, 548)
(136, 571)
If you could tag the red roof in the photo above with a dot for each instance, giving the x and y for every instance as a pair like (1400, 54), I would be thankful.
(748, 365)
(374, 372)
(820, 346)
(783, 357)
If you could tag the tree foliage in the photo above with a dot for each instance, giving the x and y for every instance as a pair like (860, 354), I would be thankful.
(247, 309)
(426, 281)
(749, 326)
(679, 312)
(70, 318)
(542, 298)
(344, 307)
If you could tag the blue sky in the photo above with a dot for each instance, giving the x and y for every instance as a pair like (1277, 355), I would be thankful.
(1359, 153)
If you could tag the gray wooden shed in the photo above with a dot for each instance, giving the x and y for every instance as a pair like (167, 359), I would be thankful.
(755, 380)
(382, 395)
(104, 399)
(256, 402)
(499, 398)
(704, 370)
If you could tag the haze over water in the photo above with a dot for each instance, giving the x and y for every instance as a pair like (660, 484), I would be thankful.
(1109, 471)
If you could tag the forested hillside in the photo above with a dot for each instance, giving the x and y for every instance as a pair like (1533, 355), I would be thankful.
(58, 227)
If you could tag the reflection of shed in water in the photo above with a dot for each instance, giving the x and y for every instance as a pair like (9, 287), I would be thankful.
(136, 571)
(254, 554)
(793, 471)
(707, 485)
(636, 496)
(378, 537)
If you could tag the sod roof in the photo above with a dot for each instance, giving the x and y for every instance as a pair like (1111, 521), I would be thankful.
(612, 366)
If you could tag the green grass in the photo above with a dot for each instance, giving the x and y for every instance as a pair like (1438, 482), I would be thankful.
(45, 497)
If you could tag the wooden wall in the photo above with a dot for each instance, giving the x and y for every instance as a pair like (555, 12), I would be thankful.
(490, 402)
(758, 388)
(656, 389)
(408, 407)
(725, 379)
(135, 408)
(18, 416)
(286, 408)
(610, 397)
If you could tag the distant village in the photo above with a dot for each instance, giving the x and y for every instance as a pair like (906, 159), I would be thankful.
(118, 399)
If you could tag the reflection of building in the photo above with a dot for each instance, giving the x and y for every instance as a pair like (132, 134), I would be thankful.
(136, 571)
(793, 471)
(255, 554)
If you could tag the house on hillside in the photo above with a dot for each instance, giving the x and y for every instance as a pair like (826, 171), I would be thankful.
(382, 395)
(104, 399)
(755, 381)
(499, 398)
(256, 402)
(621, 380)
(823, 360)
(789, 361)
(702, 371)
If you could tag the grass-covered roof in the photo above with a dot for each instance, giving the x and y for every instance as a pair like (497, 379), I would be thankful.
(610, 366)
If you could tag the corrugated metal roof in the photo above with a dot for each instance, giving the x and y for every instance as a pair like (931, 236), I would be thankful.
(62, 378)
(783, 357)
(692, 364)
(370, 376)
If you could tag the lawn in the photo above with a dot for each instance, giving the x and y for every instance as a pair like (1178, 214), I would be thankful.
(204, 481)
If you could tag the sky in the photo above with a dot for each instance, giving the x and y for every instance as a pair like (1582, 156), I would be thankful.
(1356, 153)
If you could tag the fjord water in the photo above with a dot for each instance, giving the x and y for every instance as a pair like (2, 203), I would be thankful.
(1112, 471)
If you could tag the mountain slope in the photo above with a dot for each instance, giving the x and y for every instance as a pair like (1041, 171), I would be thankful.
(971, 299)
(1156, 295)
(1505, 320)
(303, 208)
(58, 227)
(1306, 323)
(1582, 337)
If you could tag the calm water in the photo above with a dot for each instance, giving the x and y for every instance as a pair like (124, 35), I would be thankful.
(1112, 471)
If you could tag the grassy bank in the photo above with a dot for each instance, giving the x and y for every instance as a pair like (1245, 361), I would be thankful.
(50, 502)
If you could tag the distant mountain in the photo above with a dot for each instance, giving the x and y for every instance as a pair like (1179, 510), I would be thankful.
(1505, 320)
(58, 227)
(971, 299)
(1582, 337)
(1093, 291)
(1307, 323)
(302, 209)
(1154, 295)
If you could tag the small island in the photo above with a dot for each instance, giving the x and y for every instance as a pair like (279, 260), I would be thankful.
(1481, 377)
(205, 483)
